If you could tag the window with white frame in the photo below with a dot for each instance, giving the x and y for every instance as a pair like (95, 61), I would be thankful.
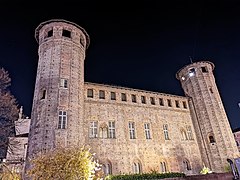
(131, 126)
(62, 120)
(163, 167)
(136, 168)
(63, 83)
(147, 130)
(165, 132)
(111, 129)
(93, 129)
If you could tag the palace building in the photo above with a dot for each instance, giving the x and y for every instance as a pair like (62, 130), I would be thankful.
(130, 130)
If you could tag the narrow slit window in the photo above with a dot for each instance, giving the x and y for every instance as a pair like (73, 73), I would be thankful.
(64, 83)
(143, 99)
(184, 105)
(43, 96)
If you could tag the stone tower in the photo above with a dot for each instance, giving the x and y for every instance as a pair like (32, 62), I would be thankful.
(57, 110)
(211, 124)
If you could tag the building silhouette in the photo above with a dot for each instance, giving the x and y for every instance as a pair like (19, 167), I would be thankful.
(130, 130)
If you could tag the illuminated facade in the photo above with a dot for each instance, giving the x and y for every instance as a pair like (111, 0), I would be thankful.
(130, 130)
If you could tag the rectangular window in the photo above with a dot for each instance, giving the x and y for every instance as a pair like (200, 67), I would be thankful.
(43, 96)
(111, 129)
(147, 130)
(184, 105)
(101, 94)
(113, 96)
(66, 33)
(161, 102)
(204, 69)
(93, 129)
(62, 120)
(131, 126)
(169, 103)
(152, 100)
(165, 132)
(64, 83)
(143, 99)
(124, 97)
(177, 103)
(90, 93)
(50, 33)
(134, 99)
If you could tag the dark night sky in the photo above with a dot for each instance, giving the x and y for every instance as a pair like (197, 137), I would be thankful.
(139, 45)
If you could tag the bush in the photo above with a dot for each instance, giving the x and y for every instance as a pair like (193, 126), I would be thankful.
(145, 176)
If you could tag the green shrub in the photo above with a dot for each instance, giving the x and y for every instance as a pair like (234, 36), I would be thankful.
(145, 176)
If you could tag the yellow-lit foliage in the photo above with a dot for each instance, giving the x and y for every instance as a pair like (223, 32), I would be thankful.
(7, 174)
(63, 163)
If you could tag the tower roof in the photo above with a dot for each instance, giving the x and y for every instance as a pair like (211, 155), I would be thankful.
(61, 20)
(198, 62)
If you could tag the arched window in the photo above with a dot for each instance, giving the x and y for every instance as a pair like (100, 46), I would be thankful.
(163, 167)
(107, 168)
(136, 168)
(186, 165)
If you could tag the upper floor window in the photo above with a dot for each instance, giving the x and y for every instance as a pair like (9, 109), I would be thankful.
(152, 100)
(169, 103)
(62, 119)
(82, 42)
(131, 126)
(165, 132)
(101, 94)
(134, 99)
(204, 69)
(43, 95)
(111, 129)
(143, 99)
(66, 33)
(113, 96)
(184, 105)
(93, 129)
(211, 139)
(177, 103)
(147, 130)
(50, 33)
(124, 97)
(90, 93)
(191, 72)
(64, 83)
(161, 102)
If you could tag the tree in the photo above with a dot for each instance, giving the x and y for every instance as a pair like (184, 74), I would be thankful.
(8, 112)
(63, 163)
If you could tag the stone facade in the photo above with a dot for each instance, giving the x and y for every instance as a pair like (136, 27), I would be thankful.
(236, 133)
(130, 130)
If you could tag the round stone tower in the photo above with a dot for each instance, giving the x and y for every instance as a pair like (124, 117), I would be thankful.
(212, 127)
(57, 110)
